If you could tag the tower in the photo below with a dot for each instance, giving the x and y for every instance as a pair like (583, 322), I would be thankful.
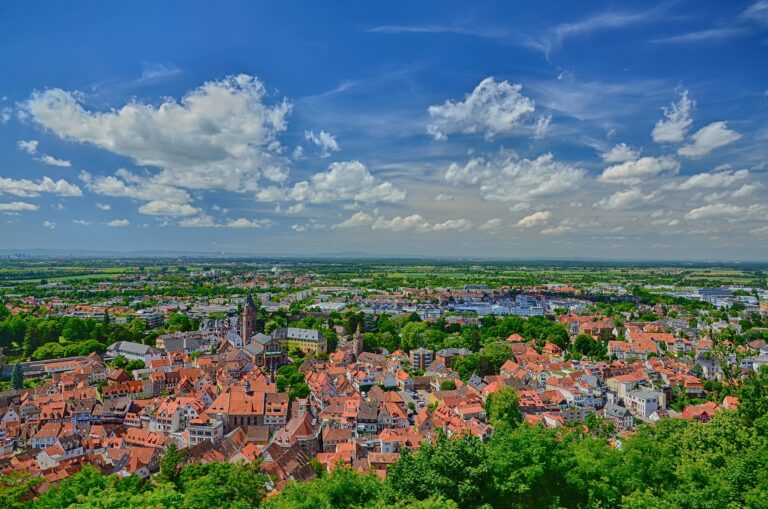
(249, 319)
(357, 342)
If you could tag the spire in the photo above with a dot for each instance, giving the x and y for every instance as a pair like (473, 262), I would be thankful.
(249, 301)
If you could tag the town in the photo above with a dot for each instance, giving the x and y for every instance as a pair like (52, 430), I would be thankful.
(304, 370)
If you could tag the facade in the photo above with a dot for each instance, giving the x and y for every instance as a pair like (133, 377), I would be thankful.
(308, 341)
(421, 358)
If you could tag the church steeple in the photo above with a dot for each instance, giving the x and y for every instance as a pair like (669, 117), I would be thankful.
(249, 319)
(357, 341)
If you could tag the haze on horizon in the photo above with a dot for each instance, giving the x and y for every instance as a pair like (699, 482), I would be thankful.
(624, 130)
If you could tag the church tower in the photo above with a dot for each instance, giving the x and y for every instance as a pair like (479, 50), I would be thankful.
(357, 342)
(249, 319)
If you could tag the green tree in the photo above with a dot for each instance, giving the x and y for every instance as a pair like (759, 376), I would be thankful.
(503, 408)
(17, 376)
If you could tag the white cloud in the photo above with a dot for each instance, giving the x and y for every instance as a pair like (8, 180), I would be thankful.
(492, 107)
(28, 146)
(676, 122)
(297, 208)
(324, 140)
(82, 222)
(164, 208)
(632, 172)
(509, 178)
(118, 223)
(556, 230)
(746, 190)
(28, 188)
(205, 221)
(49, 225)
(104, 206)
(620, 154)
(357, 219)
(453, 224)
(18, 206)
(707, 139)
(535, 219)
(52, 161)
(492, 224)
(219, 136)
(443, 197)
(250, 223)
(161, 199)
(519, 207)
(401, 223)
(724, 211)
(623, 199)
(344, 181)
(298, 152)
(542, 126)
(31, 146)
(5, 115)
(712, 180)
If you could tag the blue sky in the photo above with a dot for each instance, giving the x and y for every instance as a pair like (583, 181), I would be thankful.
(512, 129)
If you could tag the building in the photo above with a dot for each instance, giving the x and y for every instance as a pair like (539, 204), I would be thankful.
(134, 351)
(151, 318)
(309, 341)
(249, 319)
(421, 358)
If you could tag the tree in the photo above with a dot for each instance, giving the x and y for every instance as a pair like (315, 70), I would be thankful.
(447, 385)
(17, 376)
(503, 408)
(170, 463)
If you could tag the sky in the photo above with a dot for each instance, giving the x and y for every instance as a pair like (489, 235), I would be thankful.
(610, 130)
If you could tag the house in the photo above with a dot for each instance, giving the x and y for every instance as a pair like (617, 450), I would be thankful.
(134, 351)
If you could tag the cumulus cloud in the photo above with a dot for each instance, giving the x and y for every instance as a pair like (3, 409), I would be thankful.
(676, 122)
(492, 108)
(620, 154)
(250, 223)
(52, 161)
(28, 146)
(325, 141)
(219, 136)
(453, 224)
(443, 197)
(707, 139)
(297, 208)
(164, 208)
(623, 199)
(711, 180)
(49, 225)
(492, 224)
(746, 190)
(344, 181)
(401, 223)
(535, 219)
(18, 206)
(161, 199)
(31, 146)
(633, 172)
(104, 206)
(82, 222)
(205, 221)
(509, 178)
(118, 223)
(29, 188)
(556, 230)
(724, 211)
(357, 219)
